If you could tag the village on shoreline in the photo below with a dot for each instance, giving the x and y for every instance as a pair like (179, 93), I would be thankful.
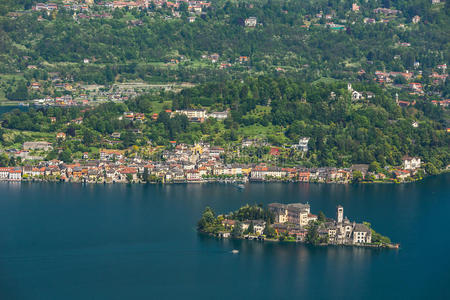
(181, 163)
(291, 223)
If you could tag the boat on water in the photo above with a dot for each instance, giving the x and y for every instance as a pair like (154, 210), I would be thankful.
(234, 251)
(240, 186)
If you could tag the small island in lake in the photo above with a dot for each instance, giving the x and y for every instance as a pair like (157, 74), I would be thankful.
(291, 223)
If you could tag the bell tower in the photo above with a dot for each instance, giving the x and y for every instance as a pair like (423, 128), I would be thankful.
(339, 214)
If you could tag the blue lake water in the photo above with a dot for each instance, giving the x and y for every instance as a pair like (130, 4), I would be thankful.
(73, 241)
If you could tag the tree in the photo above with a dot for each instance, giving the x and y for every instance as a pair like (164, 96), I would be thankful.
(251, 228)
(269, 231)
(208, 218)
(312, 237)
(71, 131)
(21, 92)
(146, 174)
(374, 167)
(88, 137)
(237, 230)
(65, 156)
(321, 217)
(129, 177)
(357, 176)
(4, 160)
(431, 169)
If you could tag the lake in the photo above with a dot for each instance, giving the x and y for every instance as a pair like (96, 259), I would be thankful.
(74, 241)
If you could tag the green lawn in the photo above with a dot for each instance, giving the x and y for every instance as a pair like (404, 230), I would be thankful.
(158, 107)
(257, 130)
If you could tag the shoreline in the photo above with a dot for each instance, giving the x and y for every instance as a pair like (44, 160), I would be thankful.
(235, 182)
(213, 182)
(395, 246)
(291, 223)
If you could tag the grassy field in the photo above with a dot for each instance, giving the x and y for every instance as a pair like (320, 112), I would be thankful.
(158, 107)
(260, 131)
(15, 138)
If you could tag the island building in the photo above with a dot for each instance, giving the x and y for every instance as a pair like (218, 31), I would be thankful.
(295, 213)
(295, 218)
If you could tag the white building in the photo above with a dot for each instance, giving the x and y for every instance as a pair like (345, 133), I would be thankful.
(4, 173)
(258, 227)
(191, 113)
(219, 115)
(15, 174)
(251, 22)
(356, 95)
(411, 163)
(302, 144)
(361, 234)
(339, 214)
(295, 213)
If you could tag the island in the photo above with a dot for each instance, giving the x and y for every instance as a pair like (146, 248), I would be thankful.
(291, 223)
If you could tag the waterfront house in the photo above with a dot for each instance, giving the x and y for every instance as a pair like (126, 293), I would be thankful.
(258, 226)
(401, 174)
(4, 173)
(193, 176)
(411, 163)
(15, 174)
(361, 234)
(304, 176)
(128, 172)
(224, 234)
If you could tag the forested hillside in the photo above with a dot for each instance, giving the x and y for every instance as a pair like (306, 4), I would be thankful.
(365, 81)
(279, 111)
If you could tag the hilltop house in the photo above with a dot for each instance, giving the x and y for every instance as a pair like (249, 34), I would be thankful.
(219, 115)
(302, 144)
(42, 145)
(195, 115)
(251, 22)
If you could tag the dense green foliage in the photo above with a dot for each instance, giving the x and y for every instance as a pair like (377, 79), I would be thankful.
(252, 212)
(293, 85)
(208, 223)
(342, 131)
(126, 52)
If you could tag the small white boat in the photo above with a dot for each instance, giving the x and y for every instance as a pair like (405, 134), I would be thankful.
(240, 186)
(234, 251)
